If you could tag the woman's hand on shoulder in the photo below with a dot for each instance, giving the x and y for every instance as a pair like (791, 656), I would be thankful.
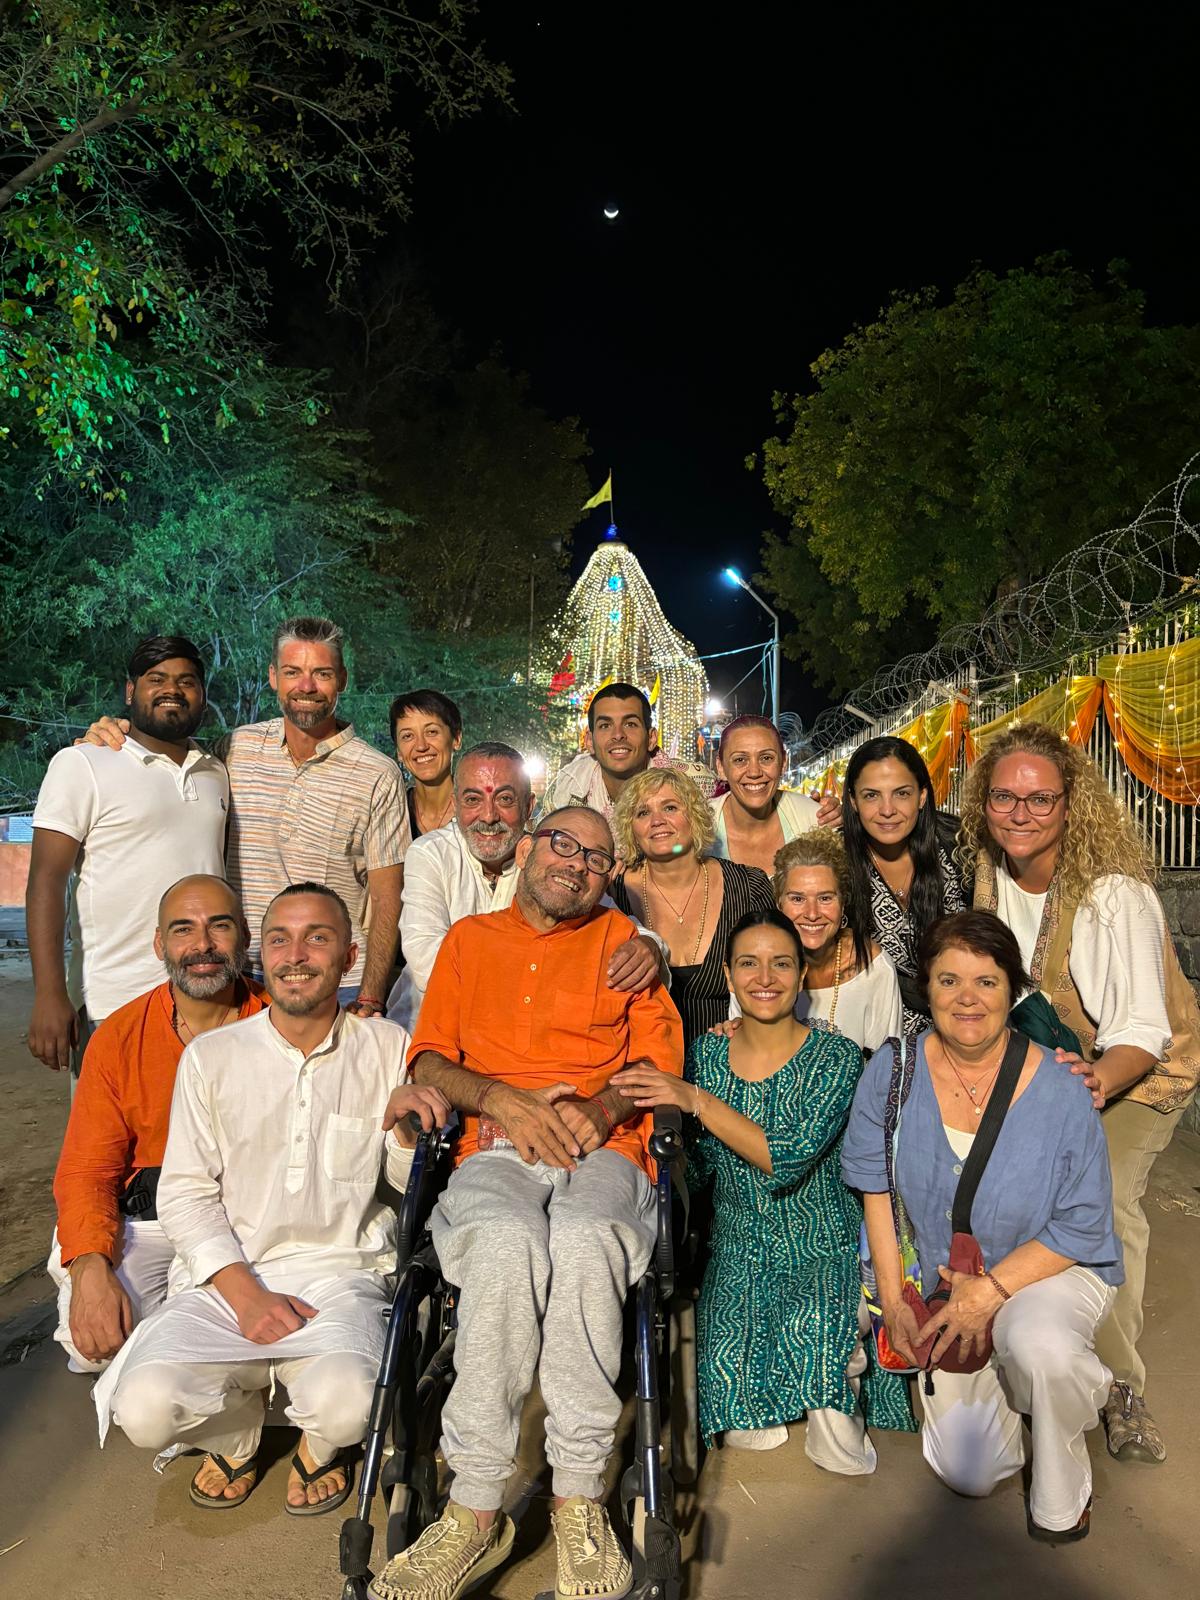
(1085, 1070)
(727, 1029)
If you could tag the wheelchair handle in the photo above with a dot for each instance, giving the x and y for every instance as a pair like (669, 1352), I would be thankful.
(666, 1140)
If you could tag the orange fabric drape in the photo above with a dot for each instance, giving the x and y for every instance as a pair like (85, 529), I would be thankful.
(1070, 706)
(1152, 702)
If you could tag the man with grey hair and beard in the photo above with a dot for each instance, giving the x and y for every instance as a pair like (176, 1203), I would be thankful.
(110, 1255)
(470, 866)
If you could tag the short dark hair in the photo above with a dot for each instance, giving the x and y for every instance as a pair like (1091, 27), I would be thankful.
(162, 647)
(493, 750)
(314, 888)
(430, 703)
(763, 919)
(618, 691)
(983, 934)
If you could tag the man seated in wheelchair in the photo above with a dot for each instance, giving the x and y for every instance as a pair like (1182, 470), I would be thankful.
(549, 1216)
(268, 1192)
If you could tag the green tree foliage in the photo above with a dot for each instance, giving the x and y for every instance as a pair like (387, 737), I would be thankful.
(493, 487)
(957, 447)
(133, 126)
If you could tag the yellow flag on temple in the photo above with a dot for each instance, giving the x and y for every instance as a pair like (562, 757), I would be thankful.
(601, 495)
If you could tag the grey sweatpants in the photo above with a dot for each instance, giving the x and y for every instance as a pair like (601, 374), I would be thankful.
(543, 1259)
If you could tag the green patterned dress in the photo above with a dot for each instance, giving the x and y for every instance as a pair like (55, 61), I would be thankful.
(778, 1313)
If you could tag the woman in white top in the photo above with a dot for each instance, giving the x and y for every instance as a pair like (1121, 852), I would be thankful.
(1056, 856)
(847, 985)
(756, 817)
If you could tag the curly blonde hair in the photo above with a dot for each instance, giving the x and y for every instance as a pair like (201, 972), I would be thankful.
(1099, 837)
(820, 847)
(699, 813)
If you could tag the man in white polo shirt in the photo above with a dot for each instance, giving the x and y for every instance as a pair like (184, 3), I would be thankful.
(119, 827)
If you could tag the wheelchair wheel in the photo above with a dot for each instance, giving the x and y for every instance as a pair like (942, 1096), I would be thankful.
(684, 1419)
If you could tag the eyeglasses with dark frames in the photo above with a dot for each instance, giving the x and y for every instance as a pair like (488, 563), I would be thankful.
(1039, 804)
(563, 844)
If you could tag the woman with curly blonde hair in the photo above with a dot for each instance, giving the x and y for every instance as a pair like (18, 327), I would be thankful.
(664, 828)
(1057, 858)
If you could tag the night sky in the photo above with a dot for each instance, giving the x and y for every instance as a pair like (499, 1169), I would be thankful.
(776, 181)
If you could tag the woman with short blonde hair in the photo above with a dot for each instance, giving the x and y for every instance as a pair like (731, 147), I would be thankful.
(1056, 856)
(663, 829)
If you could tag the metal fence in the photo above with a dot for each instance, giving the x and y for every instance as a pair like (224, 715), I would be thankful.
(1171, 829)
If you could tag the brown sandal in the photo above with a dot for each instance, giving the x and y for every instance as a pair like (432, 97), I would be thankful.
(222, 1502)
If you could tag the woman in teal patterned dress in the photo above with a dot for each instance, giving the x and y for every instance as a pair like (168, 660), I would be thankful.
(780, 1331)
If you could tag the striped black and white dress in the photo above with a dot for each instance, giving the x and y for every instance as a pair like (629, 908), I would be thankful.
(701, 993)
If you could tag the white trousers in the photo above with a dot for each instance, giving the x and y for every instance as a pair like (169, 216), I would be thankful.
(143, 1259)
(1044, 1366)
(834, 1440)
(219, 1407)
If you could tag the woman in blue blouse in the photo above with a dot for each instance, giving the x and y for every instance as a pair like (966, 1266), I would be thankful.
(1043, 1217)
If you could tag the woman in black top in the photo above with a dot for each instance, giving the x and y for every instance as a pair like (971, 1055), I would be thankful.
(427, 730)
(663, 826)
(902, 872)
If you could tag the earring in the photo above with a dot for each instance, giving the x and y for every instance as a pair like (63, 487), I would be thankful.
(845, 922)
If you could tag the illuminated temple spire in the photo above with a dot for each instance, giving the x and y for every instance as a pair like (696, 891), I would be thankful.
(614, 628)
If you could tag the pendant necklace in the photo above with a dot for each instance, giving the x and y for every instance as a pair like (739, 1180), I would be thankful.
(972, 1090)
(703, 873)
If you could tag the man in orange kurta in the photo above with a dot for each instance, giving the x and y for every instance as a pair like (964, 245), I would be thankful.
(549, 1215)
(110, 1256)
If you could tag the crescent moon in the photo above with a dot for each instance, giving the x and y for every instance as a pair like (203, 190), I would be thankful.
(612, 212)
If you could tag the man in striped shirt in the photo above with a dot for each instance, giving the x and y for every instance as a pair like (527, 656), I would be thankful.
(312, 802)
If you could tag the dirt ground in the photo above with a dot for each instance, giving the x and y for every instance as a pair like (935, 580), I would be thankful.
(36, 1102)
(103, 1526)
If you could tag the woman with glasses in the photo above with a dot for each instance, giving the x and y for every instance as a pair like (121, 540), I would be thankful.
(901, 858)
(663, 829)
(1056, 856)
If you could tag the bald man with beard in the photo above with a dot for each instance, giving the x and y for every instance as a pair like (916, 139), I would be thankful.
(110, 1256)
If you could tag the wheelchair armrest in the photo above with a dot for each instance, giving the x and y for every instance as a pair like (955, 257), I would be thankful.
(410, 1215)
(666, 1140)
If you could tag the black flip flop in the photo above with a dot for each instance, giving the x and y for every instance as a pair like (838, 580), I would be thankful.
(220, 1502)
(342, 1460)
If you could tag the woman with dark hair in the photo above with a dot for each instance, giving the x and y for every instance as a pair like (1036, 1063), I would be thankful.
(1042, 1216)
(779, 1324)
(755, 816)
(902, 873)
(427, 730)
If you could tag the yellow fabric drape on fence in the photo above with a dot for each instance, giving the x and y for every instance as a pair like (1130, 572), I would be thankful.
(937, 734)
(1069, 706)
(1152, 702)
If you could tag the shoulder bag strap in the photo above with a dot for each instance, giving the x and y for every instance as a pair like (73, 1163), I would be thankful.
(989, 1130)
(903, 1062)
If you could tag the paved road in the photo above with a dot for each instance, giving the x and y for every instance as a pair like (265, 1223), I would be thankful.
(102, 1526)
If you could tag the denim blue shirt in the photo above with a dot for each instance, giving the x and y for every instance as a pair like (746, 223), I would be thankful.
(1048, 1177)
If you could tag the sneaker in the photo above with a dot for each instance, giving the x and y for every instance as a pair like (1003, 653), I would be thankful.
(756, 1438)
(1132, 1432)
(450, 1557)
(591, 1562)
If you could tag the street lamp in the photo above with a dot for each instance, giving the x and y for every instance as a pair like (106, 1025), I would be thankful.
(732, 575)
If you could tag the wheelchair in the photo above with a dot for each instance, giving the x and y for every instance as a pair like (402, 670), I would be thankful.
(417, 1369)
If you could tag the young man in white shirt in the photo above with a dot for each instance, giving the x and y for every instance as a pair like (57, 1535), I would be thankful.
(469, 867)
(279, 1125)
(119, 826)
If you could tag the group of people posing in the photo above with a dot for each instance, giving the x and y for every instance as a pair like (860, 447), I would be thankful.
(802, 978)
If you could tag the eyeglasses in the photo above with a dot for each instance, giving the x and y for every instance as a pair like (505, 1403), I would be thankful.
(597, 861)
(1040, 804)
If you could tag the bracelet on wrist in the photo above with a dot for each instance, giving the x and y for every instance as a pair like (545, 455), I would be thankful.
(1004, 1293)
(604, 1112)
(696, 1112)
(369, 1000)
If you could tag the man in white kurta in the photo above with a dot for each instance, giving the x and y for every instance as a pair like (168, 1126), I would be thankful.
(469, 867)
(279, 1125)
